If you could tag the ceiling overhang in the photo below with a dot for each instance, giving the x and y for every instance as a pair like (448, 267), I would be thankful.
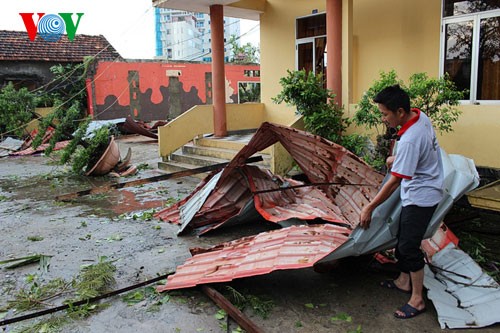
(244, 9)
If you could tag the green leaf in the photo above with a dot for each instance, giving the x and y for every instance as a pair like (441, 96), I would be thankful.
(309, 305)
(221, 314)
(342, 317)
(133, 297)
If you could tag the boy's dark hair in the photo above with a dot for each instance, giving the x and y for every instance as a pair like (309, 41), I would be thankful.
(393, 97)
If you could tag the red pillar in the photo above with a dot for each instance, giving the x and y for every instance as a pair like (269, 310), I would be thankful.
(334, 48)
(218, 75)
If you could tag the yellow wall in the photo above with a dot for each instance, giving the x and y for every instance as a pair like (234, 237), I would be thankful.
(476, 135)
(199, 120)
(394, 34)
(378, 36)
(277, 44)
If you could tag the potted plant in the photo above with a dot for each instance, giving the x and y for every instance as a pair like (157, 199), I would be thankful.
(93, 153)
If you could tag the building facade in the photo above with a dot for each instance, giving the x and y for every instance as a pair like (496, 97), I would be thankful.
(185, 36)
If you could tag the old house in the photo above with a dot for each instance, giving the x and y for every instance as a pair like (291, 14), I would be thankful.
(27, 63)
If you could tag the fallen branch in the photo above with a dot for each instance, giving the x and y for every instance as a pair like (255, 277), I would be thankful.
(137, 182)
(83, 301)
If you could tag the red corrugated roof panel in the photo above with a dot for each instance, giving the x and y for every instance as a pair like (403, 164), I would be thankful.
(288, 248)
(352, 183)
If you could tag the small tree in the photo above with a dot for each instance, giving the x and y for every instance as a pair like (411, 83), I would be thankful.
(70, 121)
(437, 97)
(17, 108)
(244, 54)
(321, 115)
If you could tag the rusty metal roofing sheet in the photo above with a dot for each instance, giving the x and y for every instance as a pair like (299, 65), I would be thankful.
(29, 151)
(137, 127)
(288, 248)
(321, 161)
(345, 184)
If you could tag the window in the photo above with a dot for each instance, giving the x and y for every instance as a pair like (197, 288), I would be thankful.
(471, 47)
(248, 92)
(310, 43)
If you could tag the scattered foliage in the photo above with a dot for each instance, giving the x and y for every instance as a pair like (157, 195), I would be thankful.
(259, 305)
(342, 317)
(35, 238)
(41, 259)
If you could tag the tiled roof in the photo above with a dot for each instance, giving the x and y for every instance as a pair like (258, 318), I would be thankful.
(15, 45)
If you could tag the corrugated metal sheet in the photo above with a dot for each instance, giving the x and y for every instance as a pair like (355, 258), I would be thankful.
(460, 176)
(278, 199)
(464, 296)
(9, 145)
(353, 184)
(288, 248)
(29, 151)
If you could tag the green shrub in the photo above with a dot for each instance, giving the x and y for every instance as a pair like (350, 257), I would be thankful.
(17, 109)
(322, 116)
(437, 97)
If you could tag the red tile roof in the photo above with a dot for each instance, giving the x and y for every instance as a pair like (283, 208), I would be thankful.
(289, 248)
(15, 45)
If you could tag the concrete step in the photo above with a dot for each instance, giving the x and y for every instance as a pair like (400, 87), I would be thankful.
(221, 153)
(191, 148)
(173, 166)
(235, 142)
(196, 160)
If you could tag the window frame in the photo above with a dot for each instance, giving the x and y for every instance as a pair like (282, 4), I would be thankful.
(306, 40)
(476, 19)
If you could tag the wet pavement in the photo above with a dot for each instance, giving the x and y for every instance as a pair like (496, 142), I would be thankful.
(116, 224)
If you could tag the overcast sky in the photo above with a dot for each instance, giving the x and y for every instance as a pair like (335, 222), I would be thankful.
(127, 25)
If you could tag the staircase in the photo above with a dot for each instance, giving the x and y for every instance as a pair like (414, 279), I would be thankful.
(209, 150)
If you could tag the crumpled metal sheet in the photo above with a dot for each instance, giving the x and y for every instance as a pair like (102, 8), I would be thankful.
(464, 296)
(460, 176)
(238, 194)
(9, 145)
(354, 184)
(29, 151)
(288, 248)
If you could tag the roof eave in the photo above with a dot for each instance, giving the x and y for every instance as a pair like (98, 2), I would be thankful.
(243, 9)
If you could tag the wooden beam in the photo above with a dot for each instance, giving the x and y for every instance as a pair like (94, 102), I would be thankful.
(137, 182)
(242, 320)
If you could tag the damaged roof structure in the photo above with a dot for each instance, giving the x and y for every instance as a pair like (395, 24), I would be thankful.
(339, 185)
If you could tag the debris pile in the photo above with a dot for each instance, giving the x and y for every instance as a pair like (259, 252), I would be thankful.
(338, 185)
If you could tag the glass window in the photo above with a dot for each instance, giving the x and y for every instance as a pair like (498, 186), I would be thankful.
(461, 7)
(311, 26)
(311, 44)
(471, 47)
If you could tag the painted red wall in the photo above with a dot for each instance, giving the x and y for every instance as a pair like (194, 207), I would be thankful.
(155, 90)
